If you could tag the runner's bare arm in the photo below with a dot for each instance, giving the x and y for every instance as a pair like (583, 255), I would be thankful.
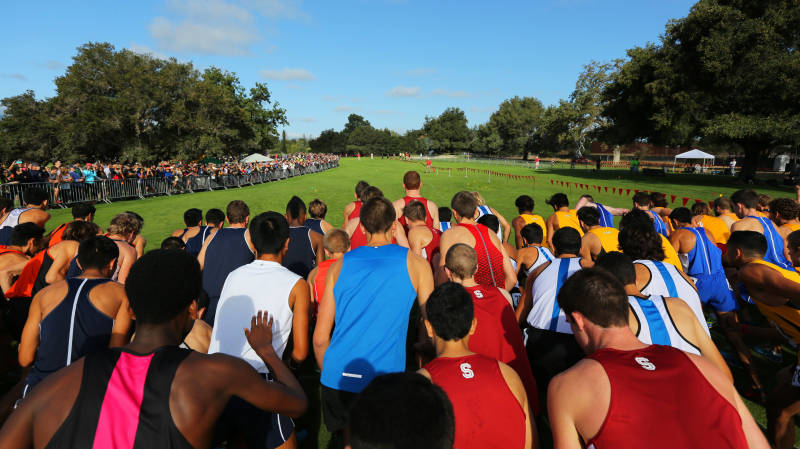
(434, 211)
(326, 314)
(399, 234)
(503, 224)
(421, 278)
(123, 321)
(561, 399)
(517, 223)
(29, 342)
(7, 274)
(687, 324)
(319, 249)
(300, 305)
(201, 257)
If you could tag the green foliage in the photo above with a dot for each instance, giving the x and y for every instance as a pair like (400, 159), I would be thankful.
(517, 121)
(448, 132)
(726, 73)
(113, 104)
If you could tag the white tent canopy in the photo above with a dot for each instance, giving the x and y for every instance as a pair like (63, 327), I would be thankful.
(694, 154)
(256, 157)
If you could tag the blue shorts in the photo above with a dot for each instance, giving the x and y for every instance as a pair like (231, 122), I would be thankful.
(715, 292)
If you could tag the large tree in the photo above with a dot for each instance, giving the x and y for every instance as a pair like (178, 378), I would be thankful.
(448, 132)
(727, 73)
(517, 121)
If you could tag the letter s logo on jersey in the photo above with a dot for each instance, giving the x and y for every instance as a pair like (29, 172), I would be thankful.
(466, 371)
(645, 363)
(478, 294)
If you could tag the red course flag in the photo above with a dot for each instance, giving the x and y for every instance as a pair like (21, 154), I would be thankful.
(685, 200)
(627, 191)
(606, 187)
(673, 197)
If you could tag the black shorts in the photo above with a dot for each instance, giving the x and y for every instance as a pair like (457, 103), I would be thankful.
(256, 427)
(550, 353)
(336, 406)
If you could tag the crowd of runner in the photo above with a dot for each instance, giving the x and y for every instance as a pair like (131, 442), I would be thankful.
(424, 325)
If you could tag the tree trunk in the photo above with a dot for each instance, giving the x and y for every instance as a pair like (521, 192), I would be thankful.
(752, 151)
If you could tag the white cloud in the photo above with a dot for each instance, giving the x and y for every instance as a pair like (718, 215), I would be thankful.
(344, 108)
(448, 93)
(421, 71)
(306, 119)
(404, 92)
(14, 76)
(195, 37)
(145, 50)
(218, 27)
(287, 74)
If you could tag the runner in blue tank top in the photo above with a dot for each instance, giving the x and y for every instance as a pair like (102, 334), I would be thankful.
(607, 213)
(643, 201)
(702, 261)
(226, 250)
(745, 203)
(371, 294)
(74, 317)
(305, 246)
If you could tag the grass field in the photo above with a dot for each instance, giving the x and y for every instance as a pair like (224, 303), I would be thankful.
(164, 214)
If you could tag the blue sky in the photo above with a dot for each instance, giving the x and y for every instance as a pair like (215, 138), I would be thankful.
(392, 61)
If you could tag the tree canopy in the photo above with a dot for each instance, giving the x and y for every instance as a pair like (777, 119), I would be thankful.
(726, 73)
(113, 104)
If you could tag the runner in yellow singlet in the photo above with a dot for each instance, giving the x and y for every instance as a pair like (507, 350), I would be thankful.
(526, 216)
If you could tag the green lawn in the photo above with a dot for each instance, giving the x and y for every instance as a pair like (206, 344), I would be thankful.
(164, 214)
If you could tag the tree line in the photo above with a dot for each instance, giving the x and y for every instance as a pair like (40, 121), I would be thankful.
(121, 105)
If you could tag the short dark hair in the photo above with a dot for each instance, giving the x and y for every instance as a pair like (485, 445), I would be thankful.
(619, 265)
(83, 210)
(597, 295)
(567, 241)
(295, 207)
(558, 200)
(659, 199)
(192, 217)
(532, 233)
(787, 208)
(317, 208)
(445, 214)
(723, 203)
(269, 232)
(793, 240)
(490, 221)
(97, 252)
(24, 232)
(465, 204)
(370, 192)
(524, 203)
(34, 195)
(411, 180)
(681, 215)
(700, 208)
(402, 411)
(6, 203)
(462, 260)
(173, 243)
(642, 199)
(449, 310)
(360, 186)
(589, 215)
(215, 216)
(377, 215)
(237, 211)
(638, 238)
(751, 243)
(746, 197)
(415, 210)
(161, 284)
(80, 230)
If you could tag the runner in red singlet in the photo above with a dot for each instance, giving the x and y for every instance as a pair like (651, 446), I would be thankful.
(497, 334)
(336, 243)
(353, 208)
(662, 397)
(25, 240)
(423, 240)
(489, 401)
(412, 185)
(80, 212)
(494, 265)
(357, 236)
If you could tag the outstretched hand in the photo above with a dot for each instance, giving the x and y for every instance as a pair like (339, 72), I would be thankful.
(260, 333)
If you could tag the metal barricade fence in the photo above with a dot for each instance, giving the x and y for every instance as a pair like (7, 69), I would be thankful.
(66, 194)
